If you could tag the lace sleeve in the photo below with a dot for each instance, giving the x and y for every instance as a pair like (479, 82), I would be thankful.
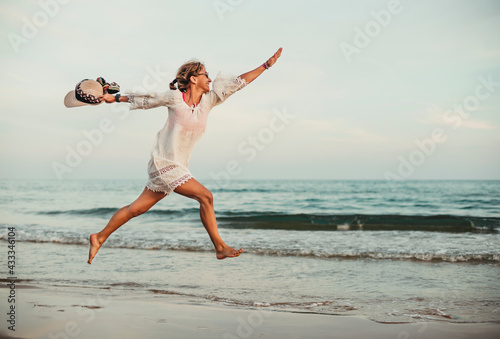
(224, 86)
(152, 100)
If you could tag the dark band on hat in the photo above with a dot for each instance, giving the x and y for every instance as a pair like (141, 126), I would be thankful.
(84, 97)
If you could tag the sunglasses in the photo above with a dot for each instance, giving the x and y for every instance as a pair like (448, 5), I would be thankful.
(204, 74)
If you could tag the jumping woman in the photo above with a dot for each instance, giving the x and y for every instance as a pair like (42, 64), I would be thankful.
(188, 106)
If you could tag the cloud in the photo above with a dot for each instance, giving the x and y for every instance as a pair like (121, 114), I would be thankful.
(434, 115)
(476, 124)
(339, 130)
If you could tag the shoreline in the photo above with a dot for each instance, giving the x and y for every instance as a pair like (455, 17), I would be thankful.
(407, 292)
(64, 312)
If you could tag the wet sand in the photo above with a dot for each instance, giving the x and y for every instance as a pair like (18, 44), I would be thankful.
(61, 312)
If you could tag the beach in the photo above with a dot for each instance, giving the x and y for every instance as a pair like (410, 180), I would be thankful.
(341, 157)
(62, 312)
(322, 259)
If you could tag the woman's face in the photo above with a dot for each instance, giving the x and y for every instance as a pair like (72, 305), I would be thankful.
(203, 81)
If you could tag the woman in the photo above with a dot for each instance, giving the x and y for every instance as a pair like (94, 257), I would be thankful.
(188, 106)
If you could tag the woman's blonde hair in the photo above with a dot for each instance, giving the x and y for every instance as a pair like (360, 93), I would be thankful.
(184, 74)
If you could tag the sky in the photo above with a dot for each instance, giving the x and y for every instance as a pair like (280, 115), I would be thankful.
(389, 90)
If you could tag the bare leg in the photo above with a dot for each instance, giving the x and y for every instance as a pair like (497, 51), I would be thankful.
(194, 190)
(142, 204)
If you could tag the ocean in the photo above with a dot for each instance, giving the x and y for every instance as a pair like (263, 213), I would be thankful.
(408, 251)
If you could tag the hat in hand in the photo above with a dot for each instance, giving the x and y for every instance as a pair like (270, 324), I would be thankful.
(86, 93)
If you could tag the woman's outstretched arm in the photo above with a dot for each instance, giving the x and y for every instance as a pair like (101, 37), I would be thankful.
(252, 75)
(145, 101)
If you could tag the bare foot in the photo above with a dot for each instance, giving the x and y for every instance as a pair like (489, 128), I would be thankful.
(227, 252)
(94, 247)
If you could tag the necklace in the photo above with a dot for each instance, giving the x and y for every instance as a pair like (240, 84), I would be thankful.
(193, 106)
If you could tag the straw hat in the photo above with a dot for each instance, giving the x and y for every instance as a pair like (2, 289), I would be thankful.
(86, 92)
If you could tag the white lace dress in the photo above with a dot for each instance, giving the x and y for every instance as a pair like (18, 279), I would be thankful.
(171, 152)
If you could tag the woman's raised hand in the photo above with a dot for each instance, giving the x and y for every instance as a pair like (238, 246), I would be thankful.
(252, 75)
(272, 60)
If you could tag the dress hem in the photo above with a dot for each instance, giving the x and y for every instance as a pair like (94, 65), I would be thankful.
(171, 187)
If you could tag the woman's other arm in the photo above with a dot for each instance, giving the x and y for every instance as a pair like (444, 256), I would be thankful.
(145, 101)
